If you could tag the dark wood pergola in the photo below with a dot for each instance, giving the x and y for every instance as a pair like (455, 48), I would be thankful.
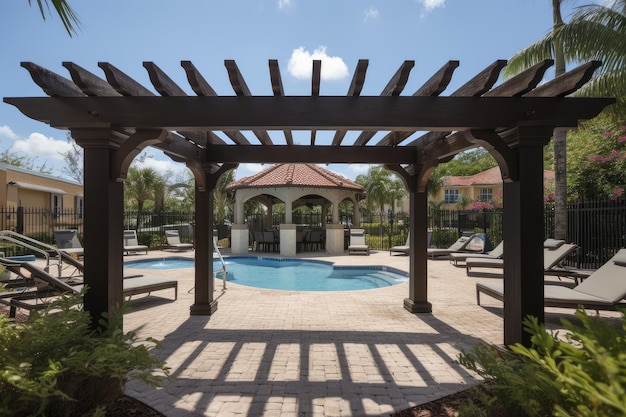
(114, 118)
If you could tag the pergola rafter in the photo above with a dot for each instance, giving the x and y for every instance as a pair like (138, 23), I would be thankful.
(114, 118)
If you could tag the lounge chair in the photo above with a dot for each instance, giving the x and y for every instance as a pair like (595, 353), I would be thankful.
(131, 243)
(173, 241)
(604, 289)
(357, 242)
(45, 287)
(554, 253)
(406, 247)
(495, 253)
(402, 248)
(67, 241)
(461, 245)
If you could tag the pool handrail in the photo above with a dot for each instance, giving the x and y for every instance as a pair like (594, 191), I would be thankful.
(216, 249)
(26, 241)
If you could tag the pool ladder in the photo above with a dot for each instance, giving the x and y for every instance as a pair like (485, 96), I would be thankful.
(216, 249)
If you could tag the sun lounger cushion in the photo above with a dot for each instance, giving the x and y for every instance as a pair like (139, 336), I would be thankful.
(553, 243)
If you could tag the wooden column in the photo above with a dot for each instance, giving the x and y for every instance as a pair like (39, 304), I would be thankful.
(204, 303)
(104, 223)
(418, 266)
(523, 233)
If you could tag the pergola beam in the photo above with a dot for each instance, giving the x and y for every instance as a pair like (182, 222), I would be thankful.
(306, 113)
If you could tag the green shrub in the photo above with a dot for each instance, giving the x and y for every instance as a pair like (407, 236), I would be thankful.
(581, 374)
(56, 364)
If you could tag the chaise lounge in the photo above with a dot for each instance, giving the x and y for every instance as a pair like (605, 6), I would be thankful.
(604, 289)
(461, 245)
(131, 243)
(554, 253)
(45, 287)
(357, 242)
(495, 253)
(174, 243)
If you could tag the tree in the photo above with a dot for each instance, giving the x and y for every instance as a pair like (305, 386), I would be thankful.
(142, 185)
(17, 159)
(376, 183)
(598, 163)
(68, 17)
(223, 199)
(74, 166)
(550, 47)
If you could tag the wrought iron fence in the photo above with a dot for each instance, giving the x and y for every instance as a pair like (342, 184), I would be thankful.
(598, 227)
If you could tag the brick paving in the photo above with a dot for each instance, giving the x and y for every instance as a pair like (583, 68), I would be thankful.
(320, 354)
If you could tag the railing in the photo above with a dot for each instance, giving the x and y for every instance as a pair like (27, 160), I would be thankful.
(599, 228)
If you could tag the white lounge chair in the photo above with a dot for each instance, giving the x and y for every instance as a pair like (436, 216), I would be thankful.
(131, 243)
(461, 245)
(67, 241)
(357, 242)
(554, 253)
(174, 243)
(604, 289)
(495, 253)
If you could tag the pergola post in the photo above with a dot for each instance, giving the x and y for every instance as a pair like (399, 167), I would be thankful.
(418, 264)
(523, 234)
(204, 304)
(104, 225)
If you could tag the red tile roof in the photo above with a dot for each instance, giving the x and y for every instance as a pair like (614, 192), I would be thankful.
(489, 177)
(296, 175)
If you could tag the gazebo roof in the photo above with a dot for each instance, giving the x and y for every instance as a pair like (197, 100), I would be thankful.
(296, 175)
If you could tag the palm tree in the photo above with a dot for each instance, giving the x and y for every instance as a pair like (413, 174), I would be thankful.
(142, 185)
(66, 13)
(377, 184)
(550, 47)
(223, 199)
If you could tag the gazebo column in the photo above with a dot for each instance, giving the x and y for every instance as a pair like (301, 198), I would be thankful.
(239, 233)
(523, 234)
(204, 304)
(104, 225)
(288, 232)
(356, 215)
(334, 232)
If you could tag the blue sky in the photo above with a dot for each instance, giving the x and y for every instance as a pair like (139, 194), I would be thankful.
(126, 33)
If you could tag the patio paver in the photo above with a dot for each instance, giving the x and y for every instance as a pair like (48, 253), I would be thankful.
(322, 354)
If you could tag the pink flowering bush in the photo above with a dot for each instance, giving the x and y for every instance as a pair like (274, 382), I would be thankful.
(597, 160)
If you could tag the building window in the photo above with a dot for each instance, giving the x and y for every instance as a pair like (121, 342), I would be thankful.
(57, 205)
(79, 208)
(485, 194)
(451, 196)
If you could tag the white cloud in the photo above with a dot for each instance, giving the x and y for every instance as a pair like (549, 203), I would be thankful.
(358, 169)
(284, 4)
(7, 132)
(301, 64)
(160, 163)
(245, 170)
(371, 13)
(38, 145)
(432, 4)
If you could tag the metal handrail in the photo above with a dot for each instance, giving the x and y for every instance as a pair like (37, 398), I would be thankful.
(216, 249)
(22, 240)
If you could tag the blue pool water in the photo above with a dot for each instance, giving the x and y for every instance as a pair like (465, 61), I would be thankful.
(289, 274)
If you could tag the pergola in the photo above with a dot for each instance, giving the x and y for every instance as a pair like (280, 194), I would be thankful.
(114, 118)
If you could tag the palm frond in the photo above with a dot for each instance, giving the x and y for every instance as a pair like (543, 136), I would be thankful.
(67, 15)
(530, 56)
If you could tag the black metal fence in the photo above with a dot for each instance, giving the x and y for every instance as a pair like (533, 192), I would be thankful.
(598, 227)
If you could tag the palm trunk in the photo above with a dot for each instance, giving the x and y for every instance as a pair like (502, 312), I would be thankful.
(560, 144)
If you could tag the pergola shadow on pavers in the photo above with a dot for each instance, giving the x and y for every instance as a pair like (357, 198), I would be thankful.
(114, 120)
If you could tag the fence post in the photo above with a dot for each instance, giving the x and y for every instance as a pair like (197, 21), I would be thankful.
(19, 227)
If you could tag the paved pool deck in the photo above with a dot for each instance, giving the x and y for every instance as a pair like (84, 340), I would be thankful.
(324, 354)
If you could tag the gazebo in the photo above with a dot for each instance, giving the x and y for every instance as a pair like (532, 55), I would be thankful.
(295, 185)
(115, 117)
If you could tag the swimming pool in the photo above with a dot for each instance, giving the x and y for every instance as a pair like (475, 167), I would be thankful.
(289, 274)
